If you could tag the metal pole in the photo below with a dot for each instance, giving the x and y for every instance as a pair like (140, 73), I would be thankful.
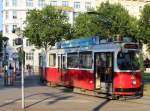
(22, 83)
(5, 79)
(33, 60)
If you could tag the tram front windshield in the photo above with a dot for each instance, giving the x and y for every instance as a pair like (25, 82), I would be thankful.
(128, 60)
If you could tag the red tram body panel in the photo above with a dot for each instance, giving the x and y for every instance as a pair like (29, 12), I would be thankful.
(123, 83)
(72, 77)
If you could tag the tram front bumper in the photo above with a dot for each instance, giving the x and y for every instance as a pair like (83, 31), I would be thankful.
(129, 91)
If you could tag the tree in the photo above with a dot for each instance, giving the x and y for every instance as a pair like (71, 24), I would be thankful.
(108, 20)
(144, 25)
(85, 25)
(46, 27)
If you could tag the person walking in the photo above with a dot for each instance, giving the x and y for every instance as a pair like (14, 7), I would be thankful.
(10, 74)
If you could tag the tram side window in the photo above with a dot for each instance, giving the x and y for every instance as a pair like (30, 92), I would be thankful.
(72, 60)
(52, 60)
(85, 59)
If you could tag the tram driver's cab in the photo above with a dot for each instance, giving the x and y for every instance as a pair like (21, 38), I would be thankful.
(128, 60)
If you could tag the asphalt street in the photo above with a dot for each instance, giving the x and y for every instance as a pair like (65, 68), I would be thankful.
(43, 98)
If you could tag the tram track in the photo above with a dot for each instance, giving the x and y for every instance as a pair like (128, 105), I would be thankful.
(132, 101)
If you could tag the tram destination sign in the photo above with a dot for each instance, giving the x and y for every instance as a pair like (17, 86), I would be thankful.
(131, 46)
(78, 42)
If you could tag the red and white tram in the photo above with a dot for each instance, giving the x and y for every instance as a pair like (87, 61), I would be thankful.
(95, 65)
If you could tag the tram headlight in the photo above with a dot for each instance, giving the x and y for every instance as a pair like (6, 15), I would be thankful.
(134, 82)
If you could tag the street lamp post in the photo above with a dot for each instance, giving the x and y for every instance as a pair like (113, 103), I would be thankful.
(22, 83)
(19, 41)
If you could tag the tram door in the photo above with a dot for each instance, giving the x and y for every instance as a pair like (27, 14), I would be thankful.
(62, 67)
(103, 64)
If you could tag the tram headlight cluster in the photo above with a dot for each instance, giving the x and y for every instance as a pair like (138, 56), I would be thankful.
(134, 82)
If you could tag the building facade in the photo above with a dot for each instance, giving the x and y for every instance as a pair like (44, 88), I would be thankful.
(14, 15)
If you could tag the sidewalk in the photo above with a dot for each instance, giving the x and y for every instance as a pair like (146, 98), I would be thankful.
(43, 98)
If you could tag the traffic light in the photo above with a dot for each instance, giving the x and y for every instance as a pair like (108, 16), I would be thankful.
(18, 41)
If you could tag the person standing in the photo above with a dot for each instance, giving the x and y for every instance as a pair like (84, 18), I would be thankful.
(29, 69)
(5, 75)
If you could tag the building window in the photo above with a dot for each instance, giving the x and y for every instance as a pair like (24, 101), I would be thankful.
(29, 56)
(28, 43)
(140, 8)
(85, 59)
(29, 3)
(72, 59)
(77, 5)
(65, 3)
(14, 14)
(6, 29)
(14, 2)
(14, 44)
(41, 3)
(75, 14)
(54, 3)
(13, 28)
(52, 60)
(6, 15)
(66, 13)
(6, 3)
(87, 5)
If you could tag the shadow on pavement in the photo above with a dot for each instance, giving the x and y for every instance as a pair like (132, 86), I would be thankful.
(57, 98)
(34, 81)
(13, 101)
(97, 108)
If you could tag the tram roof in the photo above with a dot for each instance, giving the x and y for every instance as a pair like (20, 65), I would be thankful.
(92, 44)
(88, 41)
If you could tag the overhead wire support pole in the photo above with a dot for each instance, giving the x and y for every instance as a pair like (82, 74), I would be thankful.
(22, 82)
(19, 41)
(22, 72)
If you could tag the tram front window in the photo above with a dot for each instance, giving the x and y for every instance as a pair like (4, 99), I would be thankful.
(128, 61)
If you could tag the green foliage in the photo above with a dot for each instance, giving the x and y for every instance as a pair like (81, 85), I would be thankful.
(85, 25)
(47, 26)
(144, 25)
(108, 20)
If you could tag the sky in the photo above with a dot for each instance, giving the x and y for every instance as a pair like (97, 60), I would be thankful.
(0, 15)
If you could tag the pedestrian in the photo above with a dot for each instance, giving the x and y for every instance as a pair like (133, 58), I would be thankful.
(5, 74)
(29, 69)
(10, 74)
